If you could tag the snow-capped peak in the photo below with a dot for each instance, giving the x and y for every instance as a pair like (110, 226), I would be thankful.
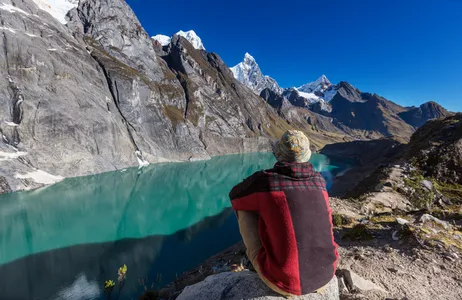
(57, 8)
(162, 39)
(318, 86)
(190, 35)
(248, 72)
(248, 59)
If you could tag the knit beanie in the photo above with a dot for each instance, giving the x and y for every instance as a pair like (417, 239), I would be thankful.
(293, 146)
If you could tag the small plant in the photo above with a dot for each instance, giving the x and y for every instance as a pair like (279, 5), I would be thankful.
(339, 220)
(108, 287)
(359, 232)
(110, 284)
(151, 292)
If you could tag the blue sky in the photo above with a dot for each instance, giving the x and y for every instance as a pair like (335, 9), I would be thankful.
(407, 51)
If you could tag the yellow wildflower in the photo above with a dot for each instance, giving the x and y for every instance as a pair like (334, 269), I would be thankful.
(122, 273)
(108, 284)
(123, 270)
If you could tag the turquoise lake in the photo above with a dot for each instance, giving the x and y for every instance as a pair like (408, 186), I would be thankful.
(63, 241)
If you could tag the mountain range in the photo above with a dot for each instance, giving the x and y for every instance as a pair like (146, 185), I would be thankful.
(87, 90)
(356, 114)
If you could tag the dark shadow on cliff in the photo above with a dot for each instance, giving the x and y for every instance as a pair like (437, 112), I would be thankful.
(368, 156)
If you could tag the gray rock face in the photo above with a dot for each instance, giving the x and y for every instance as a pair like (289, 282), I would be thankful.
(56, 114)
(246, 285)
(114, 25)
(94, 96)
(4, 186)
(274, 99)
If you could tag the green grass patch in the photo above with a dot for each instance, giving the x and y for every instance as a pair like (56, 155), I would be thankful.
(420, 197)
(452, 191)
(383, 219)
(453, 212)
(340, 220)
(277, 127)
(359, 232)
(174, 114)
(194, 112)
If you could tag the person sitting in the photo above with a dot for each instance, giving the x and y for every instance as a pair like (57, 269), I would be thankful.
(285, 221)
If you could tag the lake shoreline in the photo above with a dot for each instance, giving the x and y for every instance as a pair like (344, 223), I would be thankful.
(37, 178)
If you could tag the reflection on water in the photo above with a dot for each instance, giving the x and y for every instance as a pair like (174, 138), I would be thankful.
(59, 273)
(63, 241)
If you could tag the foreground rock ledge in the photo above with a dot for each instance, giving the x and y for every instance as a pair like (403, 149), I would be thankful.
(245, 285)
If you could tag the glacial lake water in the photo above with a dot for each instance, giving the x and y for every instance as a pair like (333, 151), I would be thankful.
(63, 241)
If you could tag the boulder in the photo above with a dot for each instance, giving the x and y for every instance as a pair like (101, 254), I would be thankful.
(354, 282)
(246, 285)
(426, 218)
(402, 221)
(427, 184)
(385, 202)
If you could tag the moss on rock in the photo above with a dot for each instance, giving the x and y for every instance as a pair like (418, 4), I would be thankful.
(359, 232)
(340, 220)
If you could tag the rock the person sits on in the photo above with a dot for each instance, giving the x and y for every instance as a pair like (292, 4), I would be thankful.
(285, 221)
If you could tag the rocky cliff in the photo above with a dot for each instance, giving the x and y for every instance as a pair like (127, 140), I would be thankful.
(357, 111)
(418, 116)
(436, 148)
(94, 95)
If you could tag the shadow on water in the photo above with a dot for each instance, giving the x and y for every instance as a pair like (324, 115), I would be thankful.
(78, 272)
(63, 241)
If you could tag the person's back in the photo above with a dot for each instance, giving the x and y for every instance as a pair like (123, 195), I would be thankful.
(285, 221)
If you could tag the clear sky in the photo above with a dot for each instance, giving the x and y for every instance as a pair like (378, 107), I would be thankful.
(408, 51)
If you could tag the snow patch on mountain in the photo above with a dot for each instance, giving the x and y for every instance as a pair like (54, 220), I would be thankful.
(12, 9)
(310, 96)
(7, 28)
(40, 176)
(321, 88)
(312, 101)
(190, 35)
(248, 72)
(57, 8)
